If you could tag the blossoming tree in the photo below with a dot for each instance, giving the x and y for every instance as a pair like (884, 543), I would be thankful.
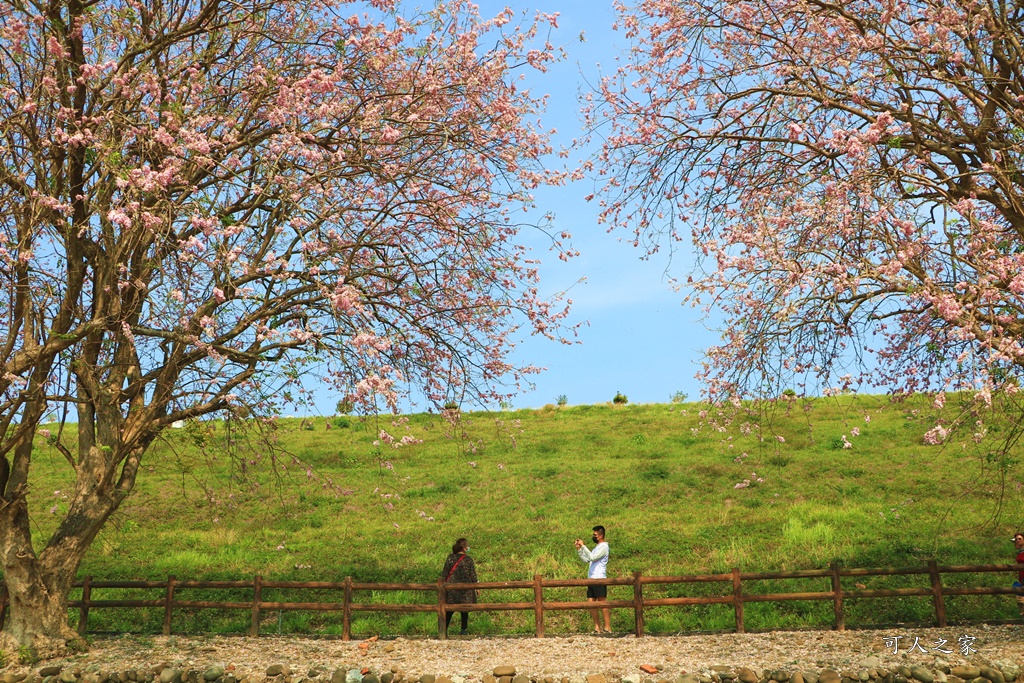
(202, 201)
(850, 175)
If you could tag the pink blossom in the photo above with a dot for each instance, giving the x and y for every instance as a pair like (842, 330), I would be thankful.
(936, 435)
(345, 299)
(119, 218)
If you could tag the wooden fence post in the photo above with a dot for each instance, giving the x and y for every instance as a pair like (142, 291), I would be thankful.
(837, 597)
(83, 614)
(737, 599)
(940, 603)
(346, 621)
(442, 628)
(638, 604)
(538, 605)
(168, 601)
(257, 598)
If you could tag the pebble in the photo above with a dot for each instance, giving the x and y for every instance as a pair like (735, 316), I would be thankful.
(500, 671)
(922, 674)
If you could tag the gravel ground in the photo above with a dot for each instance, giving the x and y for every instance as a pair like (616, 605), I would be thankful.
(615, 657)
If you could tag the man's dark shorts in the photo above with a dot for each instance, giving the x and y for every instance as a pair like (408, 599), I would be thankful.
(597, 591)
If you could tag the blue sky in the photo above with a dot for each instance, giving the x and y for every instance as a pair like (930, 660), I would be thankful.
(640, 340)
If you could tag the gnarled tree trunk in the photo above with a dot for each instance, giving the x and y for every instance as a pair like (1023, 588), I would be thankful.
(37, 615)
(38, 584)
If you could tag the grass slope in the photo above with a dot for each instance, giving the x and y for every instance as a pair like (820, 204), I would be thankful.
(522, 485)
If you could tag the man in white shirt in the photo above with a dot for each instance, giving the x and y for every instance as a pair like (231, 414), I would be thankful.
(598, 569)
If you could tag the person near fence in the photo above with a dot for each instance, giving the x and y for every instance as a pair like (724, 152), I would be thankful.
(1018, 544)
(459, 568)
(598, 569)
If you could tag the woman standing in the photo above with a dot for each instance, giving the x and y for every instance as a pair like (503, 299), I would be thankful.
(459, 568)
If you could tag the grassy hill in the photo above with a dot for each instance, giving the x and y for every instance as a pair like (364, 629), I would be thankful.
(522, 485)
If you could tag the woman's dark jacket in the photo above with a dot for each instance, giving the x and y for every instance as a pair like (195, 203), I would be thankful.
(465, 572)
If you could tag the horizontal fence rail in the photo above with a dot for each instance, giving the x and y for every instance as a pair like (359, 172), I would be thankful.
(734, 580)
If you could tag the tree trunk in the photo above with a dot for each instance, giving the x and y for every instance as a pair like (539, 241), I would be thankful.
(37, 615)
(38, 586)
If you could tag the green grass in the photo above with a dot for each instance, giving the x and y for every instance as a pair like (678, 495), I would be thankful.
(522, 485)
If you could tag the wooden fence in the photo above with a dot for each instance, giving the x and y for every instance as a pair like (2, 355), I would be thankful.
(736, 597)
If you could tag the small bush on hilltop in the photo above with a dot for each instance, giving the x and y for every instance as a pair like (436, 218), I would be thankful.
(620, 399)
